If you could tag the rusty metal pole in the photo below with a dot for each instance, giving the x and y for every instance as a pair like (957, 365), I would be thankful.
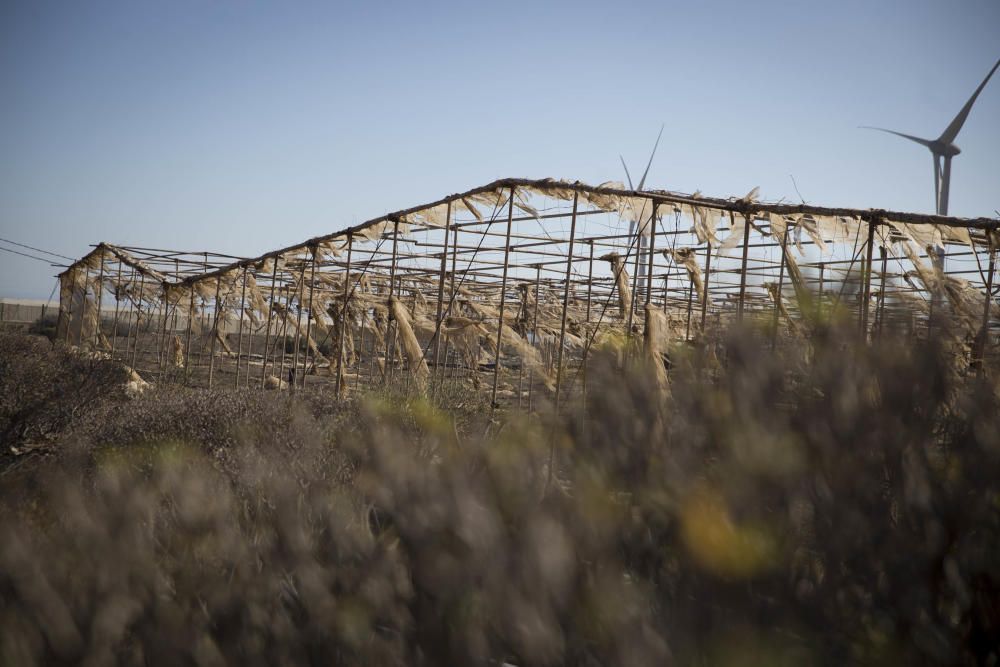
(62, 323)
(819, 301)
(66, 305)
(881, 289)
(215, 333)
(635, 276)
(520, 366)
(778, 293)
(267, 326)
(177, 279)
(704, 296)
(361, 348)
(934, 305)
(374, 352)
(397, 354)
(239, 346)
(287, 289)
(534, 326)
(867, 290)
(190, 324)
(83, 306)
(590, 278)
(440, 303)
(298, 326)
(565, 305)
(203, 315)
(250, 334)
(987, 302)
(114, 325)
(389, 329)
(165, 321)
(312, 288)
(205, 321)
(343, 314)
(100, 295)
(503, 300)
(138, 318)
(690, 307)
(652, 250)
(131, 311)
(743, 266)
(451, 297)
(161, 355)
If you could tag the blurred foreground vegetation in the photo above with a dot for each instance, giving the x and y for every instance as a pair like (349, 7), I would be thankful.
(827, 503)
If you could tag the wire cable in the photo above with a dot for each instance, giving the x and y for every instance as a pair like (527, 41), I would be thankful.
(54, 254)
(24, 254)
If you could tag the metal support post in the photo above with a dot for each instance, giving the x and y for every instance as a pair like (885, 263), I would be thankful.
(343, 315)
(590, 278)
(881, 289)
(138, 318)
(267, 326)
(99, 295)
(867, 289)
(215, 333)
(635, 276)
(440, 300)
(239, 346)
(284, 334)
(312, 288)
(652, 250)
(389, 329)
(118, 294)
(503, 299)
(164, 306)
(743, 266)
(128, 320)
(83, 304)
(704, 295)
(780, 290)
(190, 325)
(565, 305)
(534, 325)
(984, 332)
(298, 327)
(690, 306)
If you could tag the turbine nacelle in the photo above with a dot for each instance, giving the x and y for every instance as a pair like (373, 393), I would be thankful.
(945, 150)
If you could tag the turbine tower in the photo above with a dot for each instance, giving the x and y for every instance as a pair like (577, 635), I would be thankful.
(943, 148)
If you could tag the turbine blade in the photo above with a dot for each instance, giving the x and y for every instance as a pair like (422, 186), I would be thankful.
(922, 142)
(642, 182)
(953, 129)
(627, 175)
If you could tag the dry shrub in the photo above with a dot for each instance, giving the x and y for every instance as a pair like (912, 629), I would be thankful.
(45, 389)
(824, 505)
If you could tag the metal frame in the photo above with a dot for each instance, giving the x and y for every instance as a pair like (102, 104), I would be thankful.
(540, 248)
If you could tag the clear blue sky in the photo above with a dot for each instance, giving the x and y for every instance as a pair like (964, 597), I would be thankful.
(243, 126)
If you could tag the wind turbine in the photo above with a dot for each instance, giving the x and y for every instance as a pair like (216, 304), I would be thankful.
(943, 148)
(633, 227)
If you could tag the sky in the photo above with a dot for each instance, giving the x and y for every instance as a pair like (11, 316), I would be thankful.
(244, 126)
